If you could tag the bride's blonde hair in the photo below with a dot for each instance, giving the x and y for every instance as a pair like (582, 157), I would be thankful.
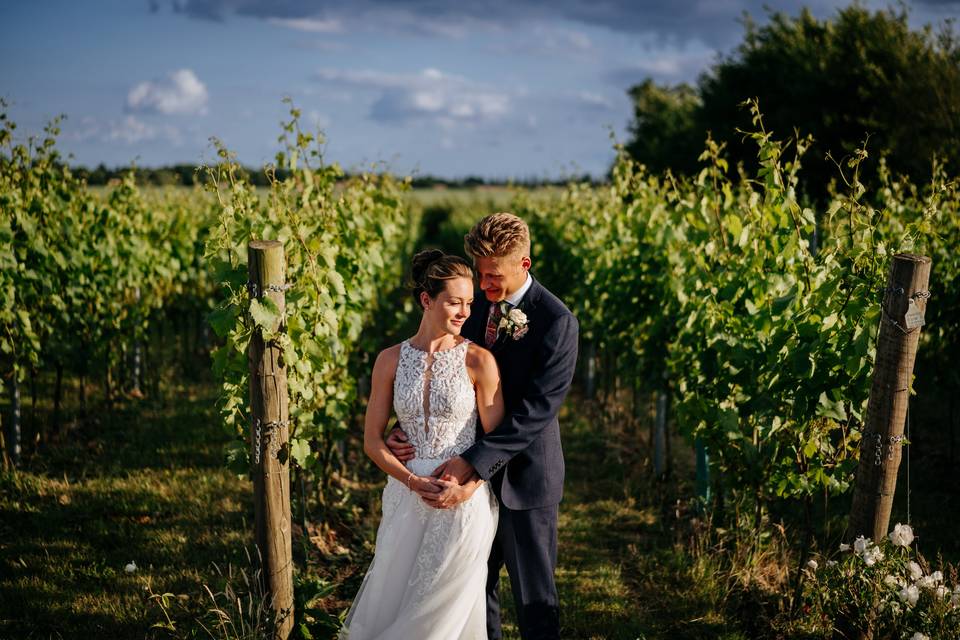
(432, 269)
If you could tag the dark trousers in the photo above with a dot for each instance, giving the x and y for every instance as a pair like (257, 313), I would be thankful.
(526, 542)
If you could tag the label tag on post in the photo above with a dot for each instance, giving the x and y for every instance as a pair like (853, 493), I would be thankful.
(914, 317)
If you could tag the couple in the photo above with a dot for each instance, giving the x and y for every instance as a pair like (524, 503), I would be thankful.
(458, 504)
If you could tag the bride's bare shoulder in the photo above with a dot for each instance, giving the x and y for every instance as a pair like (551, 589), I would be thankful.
(386, 362)
(390, 355)
(480, 359)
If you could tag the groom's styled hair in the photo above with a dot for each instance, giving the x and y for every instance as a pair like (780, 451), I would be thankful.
(498, 235)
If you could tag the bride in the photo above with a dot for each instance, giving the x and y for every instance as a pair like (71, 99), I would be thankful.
(428, 575)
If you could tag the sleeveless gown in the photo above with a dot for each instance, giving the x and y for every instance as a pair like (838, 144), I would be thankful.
(428, 576)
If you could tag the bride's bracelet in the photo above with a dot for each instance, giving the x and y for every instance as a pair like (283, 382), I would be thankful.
(408, 480)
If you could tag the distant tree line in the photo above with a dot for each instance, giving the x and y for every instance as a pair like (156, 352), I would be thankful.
(188, 175)
(859, 76)
(185, 175)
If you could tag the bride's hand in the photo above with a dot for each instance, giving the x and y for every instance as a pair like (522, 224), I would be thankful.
(450, 495)
(426, 488)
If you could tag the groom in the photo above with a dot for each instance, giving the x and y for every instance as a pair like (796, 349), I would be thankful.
(533, 337)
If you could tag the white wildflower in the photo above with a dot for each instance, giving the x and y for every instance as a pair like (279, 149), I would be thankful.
(844, 546)
(930, 581)
(941, 592)
(915, 571)
(831, 563)
(927, 582)
(909, 595)
(812, 564)
(902, 535)
(860, 545)
(131, 567)
(891, 581)
(919, 636)
(872, 555)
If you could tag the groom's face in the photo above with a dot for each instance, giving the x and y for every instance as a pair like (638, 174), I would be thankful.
(501, 276)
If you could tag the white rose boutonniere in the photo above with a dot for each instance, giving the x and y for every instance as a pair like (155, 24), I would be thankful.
(514, 322)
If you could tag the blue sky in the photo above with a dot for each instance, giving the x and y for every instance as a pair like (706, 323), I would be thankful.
(492, 88)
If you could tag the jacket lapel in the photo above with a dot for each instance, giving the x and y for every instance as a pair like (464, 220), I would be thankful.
(527, 304)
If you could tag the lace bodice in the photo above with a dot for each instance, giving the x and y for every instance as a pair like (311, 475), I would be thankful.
(434, 399)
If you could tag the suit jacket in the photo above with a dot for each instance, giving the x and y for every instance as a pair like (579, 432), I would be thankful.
(522, 457)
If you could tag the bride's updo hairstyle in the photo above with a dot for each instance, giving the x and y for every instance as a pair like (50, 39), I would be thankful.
(432, 269)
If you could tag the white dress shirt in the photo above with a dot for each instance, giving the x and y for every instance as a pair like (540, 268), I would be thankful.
(517, 296)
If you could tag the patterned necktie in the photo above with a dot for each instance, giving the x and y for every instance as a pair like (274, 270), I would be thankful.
(493, 321)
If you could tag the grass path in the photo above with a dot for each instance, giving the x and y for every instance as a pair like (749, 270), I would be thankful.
(621, 576)
(148, 485)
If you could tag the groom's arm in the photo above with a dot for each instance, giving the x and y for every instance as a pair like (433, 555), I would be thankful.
(545, 392)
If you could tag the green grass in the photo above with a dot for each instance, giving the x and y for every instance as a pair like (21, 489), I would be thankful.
(148, 485)
(145, 485)
(621, 575)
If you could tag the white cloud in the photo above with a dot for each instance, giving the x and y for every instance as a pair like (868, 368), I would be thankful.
(715, 21)
(431, 95)
(565, 38)
(129, 130)
(594, 100)
(132, 131)
(665, 65)
(89, 128)
(365, 77)
(545, 40)
(310, 25)
(180, 92)
(422, 23)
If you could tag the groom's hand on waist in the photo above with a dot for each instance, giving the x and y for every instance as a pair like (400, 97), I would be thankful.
(397, 443)
(457, 468)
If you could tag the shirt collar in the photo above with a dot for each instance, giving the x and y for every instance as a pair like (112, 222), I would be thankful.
(515, 299)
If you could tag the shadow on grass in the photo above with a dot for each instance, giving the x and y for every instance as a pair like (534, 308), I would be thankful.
(145, 485)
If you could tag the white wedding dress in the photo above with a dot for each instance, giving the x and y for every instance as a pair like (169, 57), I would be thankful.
(428, 576)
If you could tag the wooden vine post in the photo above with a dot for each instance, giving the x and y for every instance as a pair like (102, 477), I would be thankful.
(269, 406)
(904, 303)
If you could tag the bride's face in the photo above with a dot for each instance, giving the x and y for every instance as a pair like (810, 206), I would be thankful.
(451, 308)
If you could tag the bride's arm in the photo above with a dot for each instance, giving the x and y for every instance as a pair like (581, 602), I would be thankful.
(375, 421)
(486, 382)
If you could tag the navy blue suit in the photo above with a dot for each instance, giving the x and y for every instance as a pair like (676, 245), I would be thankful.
(522, 458)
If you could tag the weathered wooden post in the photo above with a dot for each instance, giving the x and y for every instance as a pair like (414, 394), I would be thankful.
(269, 405)
(904, 303)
